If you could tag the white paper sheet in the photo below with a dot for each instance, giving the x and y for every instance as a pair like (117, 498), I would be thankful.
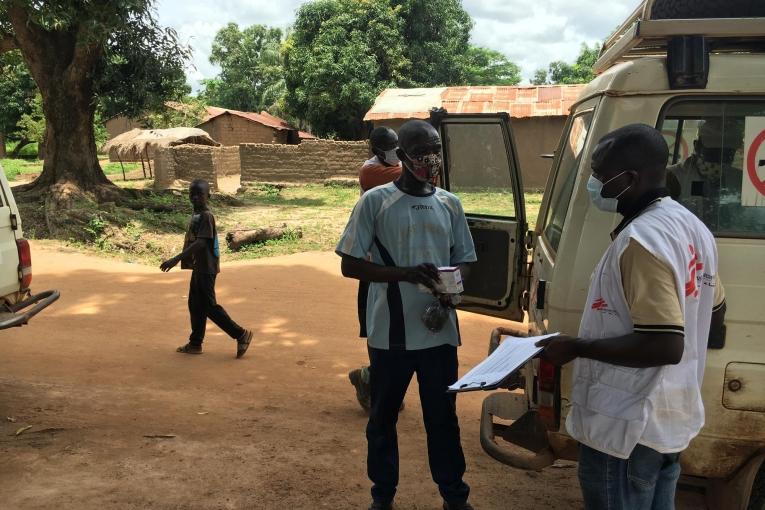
(512, 354)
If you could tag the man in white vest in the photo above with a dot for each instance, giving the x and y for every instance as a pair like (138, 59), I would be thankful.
(640, 353)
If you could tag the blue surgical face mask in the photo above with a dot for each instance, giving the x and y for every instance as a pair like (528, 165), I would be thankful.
(595, 189)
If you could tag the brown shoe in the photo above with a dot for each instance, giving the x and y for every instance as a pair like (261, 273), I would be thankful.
(243, 343)
(190, 349)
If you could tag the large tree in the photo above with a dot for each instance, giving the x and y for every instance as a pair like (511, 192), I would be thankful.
(341, 54)
(563, 73)
(251, 68)
(483, 66)
(68, 47)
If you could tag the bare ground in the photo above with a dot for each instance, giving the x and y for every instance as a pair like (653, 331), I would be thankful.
(280, 429)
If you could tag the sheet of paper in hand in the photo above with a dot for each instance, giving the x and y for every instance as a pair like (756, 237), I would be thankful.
(512, 353)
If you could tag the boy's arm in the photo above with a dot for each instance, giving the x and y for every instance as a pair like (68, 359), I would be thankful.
(191, 249)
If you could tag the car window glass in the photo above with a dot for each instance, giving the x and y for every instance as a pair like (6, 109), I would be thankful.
(708, 171)
(575, 139)
(479, 169)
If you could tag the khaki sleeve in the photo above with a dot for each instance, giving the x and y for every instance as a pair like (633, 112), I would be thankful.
(651, 292)
(719, 293)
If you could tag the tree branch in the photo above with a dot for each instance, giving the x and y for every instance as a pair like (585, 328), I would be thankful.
(7, 43)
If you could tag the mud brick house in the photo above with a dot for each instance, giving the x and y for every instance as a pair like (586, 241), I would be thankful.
(232, 127)
(538, 115)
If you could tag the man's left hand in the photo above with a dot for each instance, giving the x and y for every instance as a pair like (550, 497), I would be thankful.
(169, 264)
(559, 349)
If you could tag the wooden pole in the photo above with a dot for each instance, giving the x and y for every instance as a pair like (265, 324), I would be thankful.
(148, 162)
(124, 177)
(143, 167)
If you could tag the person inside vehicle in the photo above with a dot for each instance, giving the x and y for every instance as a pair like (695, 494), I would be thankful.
(411, 228)
(641, 349)
(382, 168)
(707, 179)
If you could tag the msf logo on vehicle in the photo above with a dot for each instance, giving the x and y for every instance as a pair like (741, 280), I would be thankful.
(695, 271)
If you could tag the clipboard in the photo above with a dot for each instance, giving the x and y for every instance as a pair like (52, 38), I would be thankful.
(511, 355)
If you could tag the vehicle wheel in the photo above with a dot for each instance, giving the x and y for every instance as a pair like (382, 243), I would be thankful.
(757, 499)
(677, 9)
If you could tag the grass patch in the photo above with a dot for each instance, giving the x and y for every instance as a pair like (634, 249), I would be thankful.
(14, 168)
(27, 152)
(152, 228)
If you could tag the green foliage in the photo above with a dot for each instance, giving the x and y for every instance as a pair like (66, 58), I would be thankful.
(142, 66)
(341, 54)
(489, 67)
(540, 77)
(252, 71)
(188, 113)
(17, 90)
(437, 38)
(578, 72)
(31, 126)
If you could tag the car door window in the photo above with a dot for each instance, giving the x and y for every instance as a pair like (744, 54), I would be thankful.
(479, 169)
(708, 170)
(574, 141)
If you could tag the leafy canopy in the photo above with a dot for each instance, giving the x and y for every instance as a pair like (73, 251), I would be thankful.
(578, 72)
(252, 71)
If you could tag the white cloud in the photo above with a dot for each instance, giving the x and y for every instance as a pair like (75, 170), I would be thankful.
(531, 33)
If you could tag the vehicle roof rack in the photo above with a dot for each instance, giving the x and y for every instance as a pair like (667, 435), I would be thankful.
(641, 36)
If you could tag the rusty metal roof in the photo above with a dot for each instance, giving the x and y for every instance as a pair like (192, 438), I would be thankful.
(263, 118)
(531, 101)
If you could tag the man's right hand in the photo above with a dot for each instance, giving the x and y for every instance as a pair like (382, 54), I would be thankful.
(424, 274)
(169, 264)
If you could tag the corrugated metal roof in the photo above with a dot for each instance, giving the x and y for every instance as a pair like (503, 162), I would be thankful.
(533, 101)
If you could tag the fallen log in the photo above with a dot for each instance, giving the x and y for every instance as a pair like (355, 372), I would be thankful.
(238, 238)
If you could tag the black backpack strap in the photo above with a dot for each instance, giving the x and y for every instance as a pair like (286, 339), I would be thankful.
(397, 332)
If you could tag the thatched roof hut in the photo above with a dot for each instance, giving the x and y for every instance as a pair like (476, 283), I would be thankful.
(138, 144)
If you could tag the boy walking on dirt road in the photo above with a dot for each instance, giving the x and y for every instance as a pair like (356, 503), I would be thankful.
(201, 255)
(410, 227)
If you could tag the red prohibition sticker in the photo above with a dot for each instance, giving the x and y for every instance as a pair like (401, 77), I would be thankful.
(752, 163)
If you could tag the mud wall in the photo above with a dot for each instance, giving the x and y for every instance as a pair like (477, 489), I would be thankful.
(311, 161)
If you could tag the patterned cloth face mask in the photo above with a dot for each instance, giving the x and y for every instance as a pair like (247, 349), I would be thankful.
(426, 167)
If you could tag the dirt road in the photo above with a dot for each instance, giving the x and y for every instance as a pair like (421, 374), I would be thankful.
(279, 429)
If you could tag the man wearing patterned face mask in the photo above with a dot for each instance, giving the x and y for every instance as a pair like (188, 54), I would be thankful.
(411, 228)
(707, 179)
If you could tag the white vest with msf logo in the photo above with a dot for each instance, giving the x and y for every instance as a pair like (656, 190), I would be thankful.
(614, 408)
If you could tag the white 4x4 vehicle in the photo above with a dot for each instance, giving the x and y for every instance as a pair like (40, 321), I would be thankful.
(17, 304)
(677, 75)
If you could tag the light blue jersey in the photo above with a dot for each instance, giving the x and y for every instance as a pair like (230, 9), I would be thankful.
(411, 230)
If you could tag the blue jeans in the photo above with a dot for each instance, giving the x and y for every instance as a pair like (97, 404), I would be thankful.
(645, 481)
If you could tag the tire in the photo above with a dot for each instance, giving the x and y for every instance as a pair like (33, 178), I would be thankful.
(678, 9)
(757, 499)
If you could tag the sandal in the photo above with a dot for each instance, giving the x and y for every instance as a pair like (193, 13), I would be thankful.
(243, 343)
(190, 349)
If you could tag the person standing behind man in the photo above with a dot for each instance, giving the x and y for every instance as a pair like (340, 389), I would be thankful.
(410, 227)
(639, 359)
(382, 168)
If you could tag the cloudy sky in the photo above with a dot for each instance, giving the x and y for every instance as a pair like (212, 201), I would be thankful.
(530, 32)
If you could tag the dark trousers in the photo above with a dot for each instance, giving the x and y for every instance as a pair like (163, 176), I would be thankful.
(390, 374)
(202, 305)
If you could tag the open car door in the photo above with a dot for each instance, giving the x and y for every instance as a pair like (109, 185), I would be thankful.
(481, 168)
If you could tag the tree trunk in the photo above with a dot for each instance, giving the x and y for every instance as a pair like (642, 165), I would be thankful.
(238, 238)
(2, 145)
(17, 150)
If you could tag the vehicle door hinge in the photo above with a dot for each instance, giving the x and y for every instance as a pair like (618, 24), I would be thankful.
(14, 222)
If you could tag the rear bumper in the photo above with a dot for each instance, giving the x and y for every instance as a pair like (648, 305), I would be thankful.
(20, 313)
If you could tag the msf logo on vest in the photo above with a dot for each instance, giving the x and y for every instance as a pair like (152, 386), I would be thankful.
(695, 272)
(600, 305)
